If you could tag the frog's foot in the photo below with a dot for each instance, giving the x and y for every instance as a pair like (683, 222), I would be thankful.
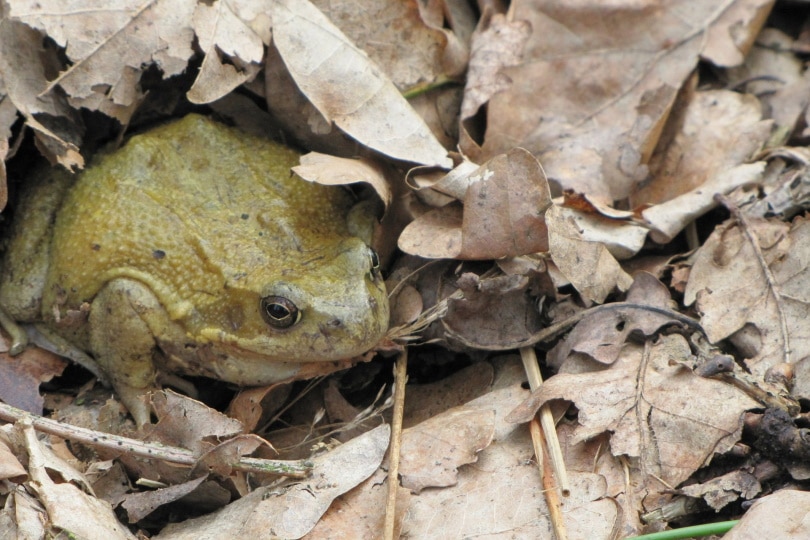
(19, 338)
(124, 344)
(187, 387)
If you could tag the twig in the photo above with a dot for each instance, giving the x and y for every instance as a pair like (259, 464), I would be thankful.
(400, 379)
(181, 456)
(766, 270)
(547, 447)
(556, 329)
(549, 489)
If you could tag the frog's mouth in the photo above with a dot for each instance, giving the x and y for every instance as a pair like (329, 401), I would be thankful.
(324, 343)
(228, 359)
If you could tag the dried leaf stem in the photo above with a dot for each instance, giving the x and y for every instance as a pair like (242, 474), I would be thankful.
(181, 456)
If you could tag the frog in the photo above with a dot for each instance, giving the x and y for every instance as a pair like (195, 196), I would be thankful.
(193, 250)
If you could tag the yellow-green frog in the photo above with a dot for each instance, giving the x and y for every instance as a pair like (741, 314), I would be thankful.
(194, 250)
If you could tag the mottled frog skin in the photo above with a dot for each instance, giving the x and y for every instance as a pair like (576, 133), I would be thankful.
(194, 250)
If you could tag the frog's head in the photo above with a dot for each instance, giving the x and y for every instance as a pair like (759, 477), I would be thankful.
(331, 306)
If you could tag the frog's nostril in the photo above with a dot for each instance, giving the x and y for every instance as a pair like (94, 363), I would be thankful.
(334, 323)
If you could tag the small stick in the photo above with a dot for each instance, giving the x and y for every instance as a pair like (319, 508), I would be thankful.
(400, 379)
(544, 436)
(549, 489)
(295, 469)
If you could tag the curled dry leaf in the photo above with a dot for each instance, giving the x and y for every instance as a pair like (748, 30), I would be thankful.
(24, 82)
(66, 506)
(337, 171)
(751, 285)
(494, 313)
(359, 94)
(503, 216)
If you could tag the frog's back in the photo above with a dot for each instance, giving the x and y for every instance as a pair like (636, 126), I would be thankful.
(188, 206)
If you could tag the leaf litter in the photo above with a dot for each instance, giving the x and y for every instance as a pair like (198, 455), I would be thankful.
(571, 153)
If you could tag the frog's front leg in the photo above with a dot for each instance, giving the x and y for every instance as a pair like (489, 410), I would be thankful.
(123, 341)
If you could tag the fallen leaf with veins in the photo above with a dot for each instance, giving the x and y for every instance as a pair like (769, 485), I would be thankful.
(507, 461)
(752, 285)
(658, 411)
(457, 435)
(595, 137)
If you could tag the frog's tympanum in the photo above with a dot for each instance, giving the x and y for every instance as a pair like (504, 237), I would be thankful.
(194, 250)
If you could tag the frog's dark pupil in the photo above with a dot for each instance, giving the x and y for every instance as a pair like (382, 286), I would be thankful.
(375, 260)
(279, 312)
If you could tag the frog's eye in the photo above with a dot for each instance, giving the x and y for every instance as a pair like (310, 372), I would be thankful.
(279, 312)
(375, 260)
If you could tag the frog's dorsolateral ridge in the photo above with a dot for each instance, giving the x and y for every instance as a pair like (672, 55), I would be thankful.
(194, 250)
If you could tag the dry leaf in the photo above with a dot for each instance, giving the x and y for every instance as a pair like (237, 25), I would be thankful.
(22, 62)
(456, 435)
(774, 74)
(669, 218)
(761, 304)
(782, 515)
(504, 205)
(292, 510)
(222, 31)
(718, 131)
(658, 411)
(68, 507)
(518, 509)
(141, 504)
(719, 492)
(336, 171)
(602, 336)
(595, 86)
(497, 43)
(360, 513)
(21, 375)
(358, 95)
(126, 39)
(622, 238)
(589, 266)
(470, 320)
